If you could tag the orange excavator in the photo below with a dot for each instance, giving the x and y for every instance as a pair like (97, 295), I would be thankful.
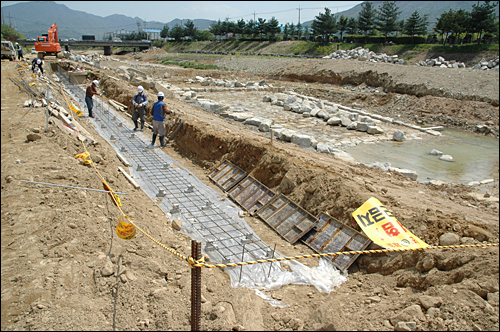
(48, 44)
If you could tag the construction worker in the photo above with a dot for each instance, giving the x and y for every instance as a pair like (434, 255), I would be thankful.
(159, 113)
(91, 91)
(19, 50)
(140, 101)
(37, 62)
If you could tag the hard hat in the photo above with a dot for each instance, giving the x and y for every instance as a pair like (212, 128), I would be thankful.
(140, 88)
(96, 82)
(17, 43)
(161, 94)
(38, 61)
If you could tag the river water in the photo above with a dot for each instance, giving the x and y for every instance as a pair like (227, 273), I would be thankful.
(475, 157)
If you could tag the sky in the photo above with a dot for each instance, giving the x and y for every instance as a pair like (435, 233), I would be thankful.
(166, 11)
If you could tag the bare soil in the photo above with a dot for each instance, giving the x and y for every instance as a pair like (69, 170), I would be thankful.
(57, 242)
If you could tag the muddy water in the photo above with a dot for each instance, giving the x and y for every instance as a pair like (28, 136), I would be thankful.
(475, 157)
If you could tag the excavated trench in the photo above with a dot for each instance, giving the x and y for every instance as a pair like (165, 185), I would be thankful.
(313, 183)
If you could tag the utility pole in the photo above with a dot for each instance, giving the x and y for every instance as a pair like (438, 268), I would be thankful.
(299, 12)
(138, 25)
(254, 15)
(10, 21)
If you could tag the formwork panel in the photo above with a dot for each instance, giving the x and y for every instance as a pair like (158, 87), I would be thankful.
(251, 194)
(334, 236)
(227, 175)
(288, 219)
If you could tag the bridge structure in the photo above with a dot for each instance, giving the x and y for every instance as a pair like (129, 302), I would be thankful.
(107, 45)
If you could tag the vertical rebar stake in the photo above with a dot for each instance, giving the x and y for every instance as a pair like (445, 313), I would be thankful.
(272, 257)
(242, 258)
(195, 287)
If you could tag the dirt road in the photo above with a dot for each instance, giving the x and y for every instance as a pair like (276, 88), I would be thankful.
(61, 257)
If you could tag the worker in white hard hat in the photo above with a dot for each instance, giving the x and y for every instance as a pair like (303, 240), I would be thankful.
(91, 91)
(19, 50)
(37, 62)
(140, 101)
(160, 112)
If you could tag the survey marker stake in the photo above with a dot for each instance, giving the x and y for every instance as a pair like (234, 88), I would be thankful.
(195, 287)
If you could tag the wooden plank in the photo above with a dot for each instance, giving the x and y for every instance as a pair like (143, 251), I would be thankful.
(123, 160)
(118, 103)
(136, 186)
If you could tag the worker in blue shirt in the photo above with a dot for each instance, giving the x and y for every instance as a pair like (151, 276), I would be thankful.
(160, 112)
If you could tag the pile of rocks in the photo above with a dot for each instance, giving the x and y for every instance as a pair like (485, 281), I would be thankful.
(207, 81)
(135, 77)
(364, 54)
(92, 59)
(440, 62)
(487, 65)
(329, 112)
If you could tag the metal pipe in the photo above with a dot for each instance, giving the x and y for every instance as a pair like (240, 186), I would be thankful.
(60, 185)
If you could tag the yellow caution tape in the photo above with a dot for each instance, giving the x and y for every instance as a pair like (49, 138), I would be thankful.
(126, 230)
(84, 156)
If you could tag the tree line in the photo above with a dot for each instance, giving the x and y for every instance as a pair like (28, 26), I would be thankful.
(327, 27)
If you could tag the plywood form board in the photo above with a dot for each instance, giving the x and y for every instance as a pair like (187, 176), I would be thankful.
(287, 218)
(251, 194)
(330, 235)
(227, 175)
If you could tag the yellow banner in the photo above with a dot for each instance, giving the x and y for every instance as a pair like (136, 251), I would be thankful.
(383, 228)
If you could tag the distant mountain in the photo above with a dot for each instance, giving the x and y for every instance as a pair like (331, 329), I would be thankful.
(34, 18)
(433, 8)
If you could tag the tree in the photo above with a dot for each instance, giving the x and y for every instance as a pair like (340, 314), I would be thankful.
(177, 33)
(483, 18)
(203, 35)
(286, 31)
(324, 24)
(342, 25)
(416, 25)
(299, 30)
(352, 26)
(386, 17)
(292, 30)
(261, 26)
(241, 27)
(216, 28)
(444, 24)
(366, 18)
(459, 23)
(273, 28)
(190, 30)
(250, 28)
(164, 31)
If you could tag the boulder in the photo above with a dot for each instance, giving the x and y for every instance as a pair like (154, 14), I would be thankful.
(448, 239)
(362, 126)
(334, 121)
(398, 136)
(374, 130)
(345, 121)
(446, 157)
(331, 109)
(436, 152)
(323, 148)
(265, 125)
(323, 115)
(177, 224)
(286, 135)
(406, 172)
(430, 301)
(411, 313)
(301, 140)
